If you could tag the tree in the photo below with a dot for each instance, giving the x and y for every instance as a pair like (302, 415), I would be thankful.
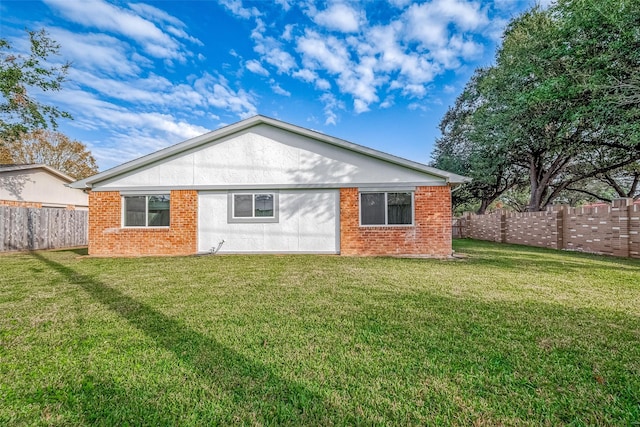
(553, 106)
(549, 81)
(19, 75)
(56, 150)
(468, 147)
(621, 183)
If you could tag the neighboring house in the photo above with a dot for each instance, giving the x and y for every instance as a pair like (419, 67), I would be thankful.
(39, 186)
(265, 186)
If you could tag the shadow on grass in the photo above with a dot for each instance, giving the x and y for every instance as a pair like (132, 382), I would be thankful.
(516, 256)
(254, 388)
(81, 251)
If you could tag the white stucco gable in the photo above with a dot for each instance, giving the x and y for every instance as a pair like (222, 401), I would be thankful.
(39, 183)
(265, 153)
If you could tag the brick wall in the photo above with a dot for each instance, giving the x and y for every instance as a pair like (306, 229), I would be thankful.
(634, 231)
(429, 236)
(20, 204)
(486, 227)
(601, 229)
(107, 237)
(606, 229)
(542, 229)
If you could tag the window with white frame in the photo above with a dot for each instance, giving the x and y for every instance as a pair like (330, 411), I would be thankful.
(146, 211)
(386, 208)
(253, 207)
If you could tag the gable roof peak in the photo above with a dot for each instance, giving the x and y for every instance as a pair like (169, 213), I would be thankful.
(255, 121)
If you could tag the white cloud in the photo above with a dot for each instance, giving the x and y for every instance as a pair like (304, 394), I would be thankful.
(219, 94)
(327, 53)
(401, 3)
(256, 68)
(235, 7)
(387, 103)
(96, 113)
(287, 34)
(334, 50)
(172, 24)
(430, 23)
(156, 14)
(340, 17)
(331, 104)
(100, 53)
(279, 58)
(108, 17)
(323, 84)
(277, 89)
(271, 50)
(305, 75)
(284, 4)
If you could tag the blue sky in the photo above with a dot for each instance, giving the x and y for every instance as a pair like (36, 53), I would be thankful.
(146, 75)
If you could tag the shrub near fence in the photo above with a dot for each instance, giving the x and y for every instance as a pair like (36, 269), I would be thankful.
(23, 229)
(606, 229)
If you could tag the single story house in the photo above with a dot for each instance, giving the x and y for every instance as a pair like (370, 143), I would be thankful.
(265, 186)
(39, 186)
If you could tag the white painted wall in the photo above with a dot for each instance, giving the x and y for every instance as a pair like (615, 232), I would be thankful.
(38, 185)
(268, 156)
(308, 222)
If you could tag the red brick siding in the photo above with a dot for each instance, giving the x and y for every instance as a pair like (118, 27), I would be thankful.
(23, 204)
(430, 235)
(108, 237)
(20, 204)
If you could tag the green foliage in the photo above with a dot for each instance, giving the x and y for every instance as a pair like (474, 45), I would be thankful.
(468, 147)
(19, 75)
(508, 336)
(558, 106)
(56, 150)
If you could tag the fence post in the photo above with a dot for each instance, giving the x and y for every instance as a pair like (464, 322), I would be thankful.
(620, 226)
(557, 212)
(634, 230)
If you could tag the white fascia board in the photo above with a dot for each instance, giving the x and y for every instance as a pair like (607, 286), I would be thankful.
(327, 186)
(254, 121)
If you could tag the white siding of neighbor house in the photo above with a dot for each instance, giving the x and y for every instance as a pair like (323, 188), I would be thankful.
(264, 155)
(38, 185)
(308, 222)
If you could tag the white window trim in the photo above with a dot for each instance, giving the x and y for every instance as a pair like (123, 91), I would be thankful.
(146, 211)
(252, 219)
(386, 208)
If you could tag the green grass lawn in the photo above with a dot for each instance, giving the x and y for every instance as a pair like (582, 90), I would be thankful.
(508, 335)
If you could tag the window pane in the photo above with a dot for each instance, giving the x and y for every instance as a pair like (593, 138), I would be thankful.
(159, 211)
(242, 205)
(264, 205)
(372, 208)
(399, 208)
(134, 211)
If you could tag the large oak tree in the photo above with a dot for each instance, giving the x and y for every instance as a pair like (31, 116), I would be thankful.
(559, 106)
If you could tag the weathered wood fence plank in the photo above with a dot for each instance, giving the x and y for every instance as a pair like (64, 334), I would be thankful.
(23, 229)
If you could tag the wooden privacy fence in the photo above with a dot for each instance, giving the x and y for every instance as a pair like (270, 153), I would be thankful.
(605, 229)
(26, 229)
(458, 227)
